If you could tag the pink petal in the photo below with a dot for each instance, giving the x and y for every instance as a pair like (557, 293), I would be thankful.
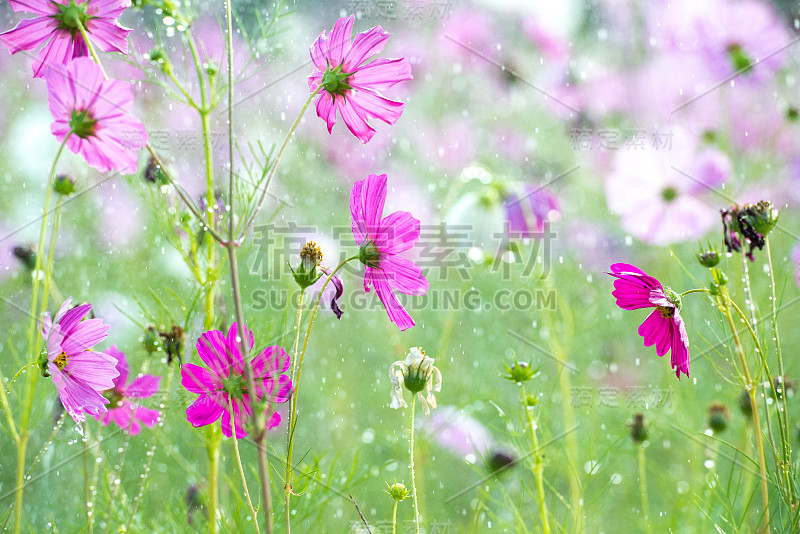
(368, 104)
(399, 231)
(633, 288)
(233, 344)
(109, 36)
(381, 74)
(58, 51)
(122, 367)
(95, 369)
(28, 34)
(355, 119)
(84, 336)
(37, 7)
(403, 275)
(147, 416)
(276, 392)
(205, 410)
(365, 45)
(212, 349)
(143, 387)
(76, 396)
(319, 52)
(367, 199)
(241, 413)
(107, 9)
(274, 420)
(339, 41)
(69, 319)
(326, 110)
(272, 359)
(394, 309)
(198, 379)
(656, 330)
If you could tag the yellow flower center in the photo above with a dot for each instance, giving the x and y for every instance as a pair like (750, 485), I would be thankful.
(666, 312)
(61, 360)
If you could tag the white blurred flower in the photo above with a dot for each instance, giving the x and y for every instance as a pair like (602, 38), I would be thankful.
(417, 374)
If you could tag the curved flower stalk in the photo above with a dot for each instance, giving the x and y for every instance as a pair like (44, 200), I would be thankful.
(349, 85)
(123, 411)
(381, 240)
(91, 113)
(79, 373)
(60, 26)
(664, 327)
(223, 387)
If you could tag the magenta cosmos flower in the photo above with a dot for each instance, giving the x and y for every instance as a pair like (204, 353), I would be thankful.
(664, 326)
(57, 26)
(80, 373)
(93, 111)
(126, 414)
(349, 84)
(381, 241)
(223, 388)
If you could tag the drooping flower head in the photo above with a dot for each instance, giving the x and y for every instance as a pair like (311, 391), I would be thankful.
(223, 387)
(94, 113)
(123, 411)
(664, 327)
(381, 241)
(417, 374)
(750, 224)
(57, 26)
(350, 85)
(79, 373)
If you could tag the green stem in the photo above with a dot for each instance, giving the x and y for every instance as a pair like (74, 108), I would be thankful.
(538, 468)
(90, 46)
(86, 491)
(287, 487)
(698, 290)
(751, 390)
(214, 439)
(296, 382)
(411, 455)
(643, 489)
(783, 416)
(244, 483)
(394, 517)
(33, 341)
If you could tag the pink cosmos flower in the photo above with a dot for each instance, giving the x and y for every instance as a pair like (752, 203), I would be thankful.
(80, 373)
(381, 241)
(664, 326)
(94, 113)
(57, 26)
(122, 411)
(223, 388)
(349, 84)
(528, 209)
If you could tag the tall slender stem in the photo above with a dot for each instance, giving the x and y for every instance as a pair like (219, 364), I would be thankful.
(244, 483)
(783, 413)
(538, 468)
(213, 441)
(751, 390)
(287, 487)
(643, 488)
(394, 517)
(411, 455)
(296, 382)
(33, 341)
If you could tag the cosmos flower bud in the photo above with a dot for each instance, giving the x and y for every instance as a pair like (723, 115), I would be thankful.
(520, 372)
(306, 274)
(26, 255)
(500, 461)
(718, 416)
(638, 428)
(708, 257)
(761, 216)
(151, 340)
(64, 185)
(154, 174)
(745, 405)
(173, 343)
(398, 491)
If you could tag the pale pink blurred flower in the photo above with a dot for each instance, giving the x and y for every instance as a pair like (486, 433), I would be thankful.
(124, 412)
(458, 432)
(662, 195)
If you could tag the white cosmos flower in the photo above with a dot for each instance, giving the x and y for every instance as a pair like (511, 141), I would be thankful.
(417, 374)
